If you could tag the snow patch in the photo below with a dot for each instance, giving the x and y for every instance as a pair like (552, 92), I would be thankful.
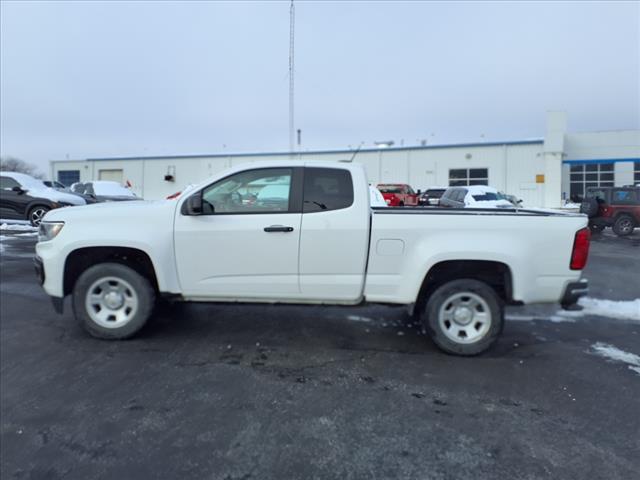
(18, 227)
(626, 310)
(357, 318)
(613, 353)
(10, 220)
(562, 319)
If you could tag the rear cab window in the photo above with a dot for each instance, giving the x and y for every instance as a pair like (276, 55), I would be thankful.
(326, 189)
(599, 194)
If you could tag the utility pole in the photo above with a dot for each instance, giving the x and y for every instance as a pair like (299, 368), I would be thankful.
(292, 20)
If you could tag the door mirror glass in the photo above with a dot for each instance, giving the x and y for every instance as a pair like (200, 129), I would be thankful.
(193, 205)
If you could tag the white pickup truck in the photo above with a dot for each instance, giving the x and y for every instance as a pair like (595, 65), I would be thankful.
(304, 232)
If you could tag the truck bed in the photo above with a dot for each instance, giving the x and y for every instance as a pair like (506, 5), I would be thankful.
(535, 245)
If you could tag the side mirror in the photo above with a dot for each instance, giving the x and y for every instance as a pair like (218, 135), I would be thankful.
(419, 192)
(193, 205)
(18, 190)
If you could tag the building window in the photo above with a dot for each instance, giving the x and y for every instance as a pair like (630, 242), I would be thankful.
(636, 173)
(591, 175)
(68, 177)
(461, 177)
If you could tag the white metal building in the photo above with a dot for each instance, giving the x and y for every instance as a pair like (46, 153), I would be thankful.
(543, 172)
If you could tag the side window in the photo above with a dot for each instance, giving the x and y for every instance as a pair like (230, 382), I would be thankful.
(460, 194)
(326, 189)
(623, 197)
(265, 190)
(8, 182)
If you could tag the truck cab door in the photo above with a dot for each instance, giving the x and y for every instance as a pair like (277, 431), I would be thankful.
(334, 239)
(244, 242)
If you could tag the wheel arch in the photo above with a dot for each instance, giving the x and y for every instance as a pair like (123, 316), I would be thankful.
(80, 259)
(494, 273)
(37, 203)
(626, 213)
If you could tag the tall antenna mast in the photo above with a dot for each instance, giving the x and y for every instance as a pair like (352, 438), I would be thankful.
(292, 21)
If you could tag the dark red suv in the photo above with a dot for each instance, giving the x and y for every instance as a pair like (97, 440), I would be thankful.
(615, 207)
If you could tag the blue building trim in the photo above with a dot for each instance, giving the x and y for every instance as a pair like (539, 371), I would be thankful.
(349, 153)
(600, 160)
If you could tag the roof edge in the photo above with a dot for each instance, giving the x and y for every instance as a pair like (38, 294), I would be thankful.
(313, 152)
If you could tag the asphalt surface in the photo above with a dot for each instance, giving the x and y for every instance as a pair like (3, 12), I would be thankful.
(288, 392)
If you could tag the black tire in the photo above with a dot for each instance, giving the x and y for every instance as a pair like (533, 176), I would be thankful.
(401, 204)
(437, 304)
(36, 213)
(624, 225)
(589, 207)
(137, 285)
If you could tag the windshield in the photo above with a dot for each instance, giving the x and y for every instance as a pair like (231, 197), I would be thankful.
(29, 182)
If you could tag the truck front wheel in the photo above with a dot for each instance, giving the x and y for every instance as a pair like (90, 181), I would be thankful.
(464, 317)
(112, 301)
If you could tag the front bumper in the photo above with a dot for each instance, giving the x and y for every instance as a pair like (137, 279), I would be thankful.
(58, 302)
(37, 264)
(573, 292)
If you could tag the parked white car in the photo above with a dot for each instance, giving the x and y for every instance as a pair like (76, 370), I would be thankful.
(317, 241)
(474, 196)
(104, 191)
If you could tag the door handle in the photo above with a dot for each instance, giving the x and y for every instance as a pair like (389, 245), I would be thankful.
(278, 228)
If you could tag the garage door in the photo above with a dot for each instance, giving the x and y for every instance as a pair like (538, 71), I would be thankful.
(113, 175)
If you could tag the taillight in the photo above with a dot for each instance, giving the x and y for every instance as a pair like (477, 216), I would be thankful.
(580, 249)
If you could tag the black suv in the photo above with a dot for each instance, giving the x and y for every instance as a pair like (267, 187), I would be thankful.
(615, 207)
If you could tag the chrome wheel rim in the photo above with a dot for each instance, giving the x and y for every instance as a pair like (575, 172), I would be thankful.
(37, 214)
(111, 302)
(465, 317)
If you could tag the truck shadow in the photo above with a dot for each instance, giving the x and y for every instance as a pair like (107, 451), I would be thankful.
(300, 327)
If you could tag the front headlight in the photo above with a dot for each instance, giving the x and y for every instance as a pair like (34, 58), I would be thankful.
(49, 230)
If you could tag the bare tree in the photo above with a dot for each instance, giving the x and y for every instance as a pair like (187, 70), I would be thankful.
(12, 164)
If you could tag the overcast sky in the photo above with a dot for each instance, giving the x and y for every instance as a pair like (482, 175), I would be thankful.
(92, 79)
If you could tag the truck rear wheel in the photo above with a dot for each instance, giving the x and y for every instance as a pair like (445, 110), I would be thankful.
(464, 317)
(112, 301)
(623, 225)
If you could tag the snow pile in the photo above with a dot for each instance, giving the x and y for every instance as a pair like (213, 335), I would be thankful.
(18, 227)
(613, 353)
(629, 310)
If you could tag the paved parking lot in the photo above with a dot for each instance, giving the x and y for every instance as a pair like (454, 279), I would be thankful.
(285, 392)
